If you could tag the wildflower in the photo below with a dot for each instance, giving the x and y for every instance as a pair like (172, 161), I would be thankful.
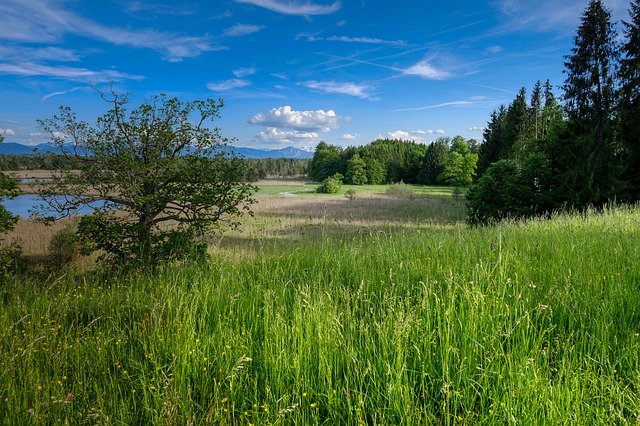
(313, 405)
(224, 400)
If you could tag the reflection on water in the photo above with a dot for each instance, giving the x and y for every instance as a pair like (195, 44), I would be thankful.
(23, 205)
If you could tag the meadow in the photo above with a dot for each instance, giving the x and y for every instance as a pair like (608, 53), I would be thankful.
(382, 309)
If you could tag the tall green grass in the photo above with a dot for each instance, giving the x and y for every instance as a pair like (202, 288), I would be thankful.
(528, 323)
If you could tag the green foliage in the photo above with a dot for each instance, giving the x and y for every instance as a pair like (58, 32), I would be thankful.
(160, 165)
(8, 189)
(400, 190)
(460, 164)
(376, 173)
(12, 262)
(356, 171)
(351, 194)
(434, 160)
(510, 189)
(590, 97)
(629, 108)
(64, 247)
(325, 162)
(331, 185)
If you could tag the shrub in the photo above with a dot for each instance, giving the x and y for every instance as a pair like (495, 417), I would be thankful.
(400, 190)
(350, 194)
(331, 185)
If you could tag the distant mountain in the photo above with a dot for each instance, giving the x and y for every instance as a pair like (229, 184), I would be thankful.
(288, 152)
(11, 148)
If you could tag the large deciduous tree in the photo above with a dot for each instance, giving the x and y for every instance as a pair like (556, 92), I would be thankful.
(590, 103)
(165, 170)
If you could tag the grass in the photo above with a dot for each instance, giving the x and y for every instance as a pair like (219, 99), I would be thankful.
(531, 323)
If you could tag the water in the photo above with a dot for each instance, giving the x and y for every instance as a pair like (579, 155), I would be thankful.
(24, 204)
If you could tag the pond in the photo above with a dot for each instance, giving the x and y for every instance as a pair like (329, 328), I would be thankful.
(23, 204)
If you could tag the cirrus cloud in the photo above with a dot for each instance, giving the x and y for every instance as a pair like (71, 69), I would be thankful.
(295, 7)
(223, 86)
(350, 89)
(426, 70)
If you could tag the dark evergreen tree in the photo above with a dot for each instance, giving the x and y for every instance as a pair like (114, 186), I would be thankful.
(629, 110)
(434, 160)
(590, 104)
(552, 117)
(493, 144)
(535, 111)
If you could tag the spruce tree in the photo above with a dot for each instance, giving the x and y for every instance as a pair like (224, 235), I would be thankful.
(630, 105)
(590, 104)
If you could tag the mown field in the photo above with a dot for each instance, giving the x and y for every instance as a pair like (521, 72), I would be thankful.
(323, 310)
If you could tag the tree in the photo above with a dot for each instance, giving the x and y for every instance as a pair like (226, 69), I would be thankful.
(325, 162)
(460, 164)
(160, 165)
(590, 102)
(8, 189)
(629, 109)
(356, 170)
(434, 160)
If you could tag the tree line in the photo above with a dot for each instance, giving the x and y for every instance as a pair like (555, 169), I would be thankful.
(582, 151)
(255, 169)
(445, 161)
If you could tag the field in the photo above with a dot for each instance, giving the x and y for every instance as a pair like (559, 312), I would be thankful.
(384, 309)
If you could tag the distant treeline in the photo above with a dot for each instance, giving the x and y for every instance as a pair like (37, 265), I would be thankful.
(444, 161)
(255, 168)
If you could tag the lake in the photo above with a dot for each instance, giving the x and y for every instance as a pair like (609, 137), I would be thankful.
(23, 204)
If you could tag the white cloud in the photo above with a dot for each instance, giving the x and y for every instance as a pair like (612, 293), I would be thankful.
(494, 49)
(62, 92)
(275, 135)
(71, 73)
(404, 135)
(242, 29)
(349, 137)
(234, 83)
(7, 132)
(286, 117)
(351, 89)
(244, 72)
(295, 7)
(545, 15)
(425, 70)
(476, 129)
(444, 104)
(348, 39)
(15, 53)
(160, 9)
(440, 132)
(47, 21)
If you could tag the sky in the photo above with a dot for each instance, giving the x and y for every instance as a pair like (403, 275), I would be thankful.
(290, 72)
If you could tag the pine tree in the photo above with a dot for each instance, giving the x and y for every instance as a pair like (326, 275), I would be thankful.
(590, 104)
(535, 112)
(630, 105)
(552, 112)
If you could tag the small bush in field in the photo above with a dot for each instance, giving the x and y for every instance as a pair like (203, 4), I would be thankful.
(331, 185)
(350, 194)
(400, 190)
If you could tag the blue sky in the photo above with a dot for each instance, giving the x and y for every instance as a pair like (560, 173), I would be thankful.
(291, 72)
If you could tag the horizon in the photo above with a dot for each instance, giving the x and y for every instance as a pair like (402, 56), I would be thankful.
(291, 72)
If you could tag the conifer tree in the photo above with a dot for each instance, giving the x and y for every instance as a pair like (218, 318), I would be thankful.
(590, 104)
(630, 105)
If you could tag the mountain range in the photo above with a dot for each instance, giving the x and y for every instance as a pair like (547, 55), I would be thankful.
(12, 148)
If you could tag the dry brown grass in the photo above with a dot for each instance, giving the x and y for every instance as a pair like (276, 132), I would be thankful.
(289, 219)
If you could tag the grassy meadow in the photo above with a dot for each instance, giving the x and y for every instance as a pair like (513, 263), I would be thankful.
(384, 309)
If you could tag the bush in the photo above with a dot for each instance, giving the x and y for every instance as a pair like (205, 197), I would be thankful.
(400, 190)
(350, 194)
(64, 247)
(510, 190)
(331, 185)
